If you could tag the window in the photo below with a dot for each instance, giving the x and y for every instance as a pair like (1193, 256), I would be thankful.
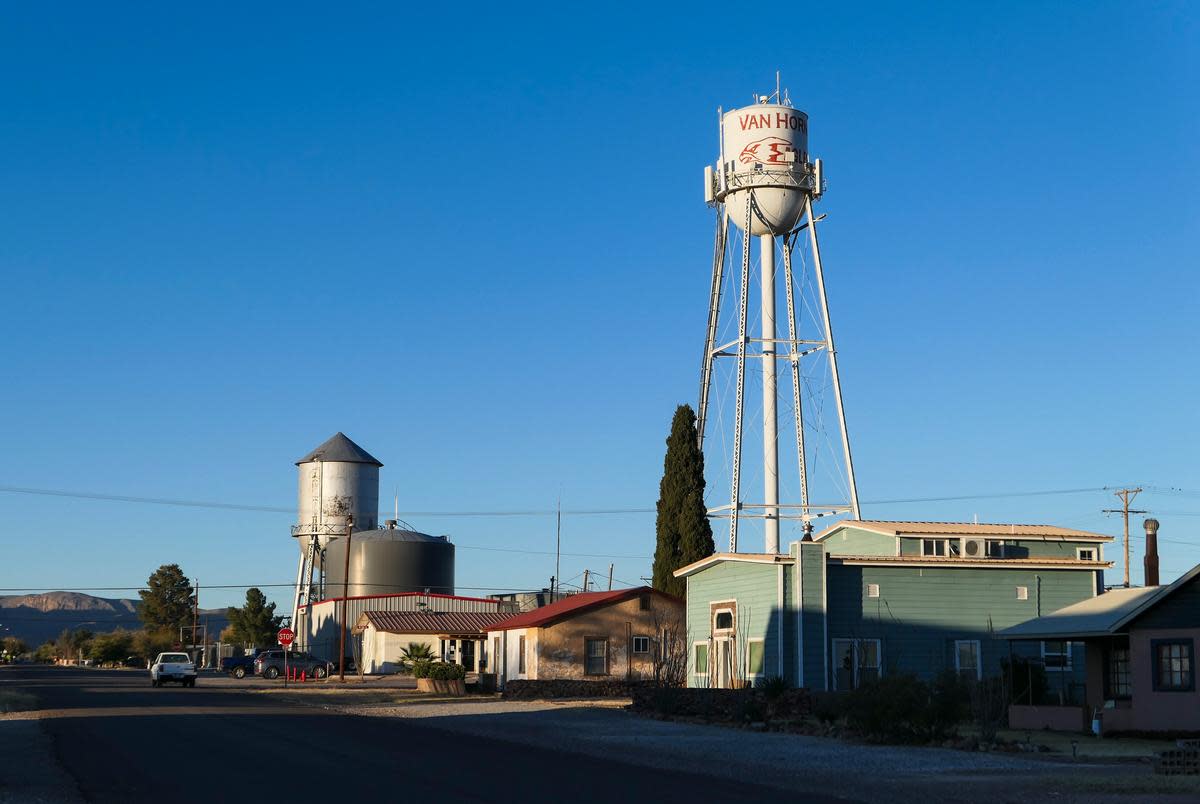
(595, 656)
(933, 547)
(496, 655)
(967, 659)
(644, 602)
(723, 621)
(872, 590)
(1117, 678)
(1174, 669)
(856, 662)
(521, 654)
(1022, 593)
(1056, 655)
(754, 658)
(1086, 553)
(701, 659)
(641, 644)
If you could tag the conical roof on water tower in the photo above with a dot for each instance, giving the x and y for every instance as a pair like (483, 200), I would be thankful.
(340, 449)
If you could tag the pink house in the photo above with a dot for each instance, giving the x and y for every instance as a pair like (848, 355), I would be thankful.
(1140, 645)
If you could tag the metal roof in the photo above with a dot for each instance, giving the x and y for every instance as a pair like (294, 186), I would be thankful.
(397, 535)
(954, 561)
(575, 604)
(339, 449)
(430, 622)
(902, 528)
(751, 558)
(1101, 615)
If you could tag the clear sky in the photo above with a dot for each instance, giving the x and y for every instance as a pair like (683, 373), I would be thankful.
(473, 238)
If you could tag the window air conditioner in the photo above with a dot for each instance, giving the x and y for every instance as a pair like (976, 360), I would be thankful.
(973, 548)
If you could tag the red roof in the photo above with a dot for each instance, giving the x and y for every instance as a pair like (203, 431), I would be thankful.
(430, 622)
(575, 604)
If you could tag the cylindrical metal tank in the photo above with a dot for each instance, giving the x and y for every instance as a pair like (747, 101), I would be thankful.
(764, 149)
(390, 560)
(337, 478)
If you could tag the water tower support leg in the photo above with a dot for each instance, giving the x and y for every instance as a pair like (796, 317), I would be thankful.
(714, 314)
(794, 360)
(770, 422)
(832, 352)
(735, 496)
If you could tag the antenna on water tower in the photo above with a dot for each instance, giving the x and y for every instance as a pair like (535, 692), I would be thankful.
(765, 183)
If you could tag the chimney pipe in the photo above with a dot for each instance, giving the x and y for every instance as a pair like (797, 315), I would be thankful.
(1151, 559)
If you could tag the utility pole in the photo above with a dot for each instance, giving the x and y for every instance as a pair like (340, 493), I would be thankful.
(1126, 496)
(557, 551)
(586, 572)
(195, 614)
(610, 571)
(345, 601)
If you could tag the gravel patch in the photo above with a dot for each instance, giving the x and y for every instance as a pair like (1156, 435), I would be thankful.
(788, 761)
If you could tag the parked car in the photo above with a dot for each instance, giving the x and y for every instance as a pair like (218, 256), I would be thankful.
(239, 666)
(269, 664)
(176, 667)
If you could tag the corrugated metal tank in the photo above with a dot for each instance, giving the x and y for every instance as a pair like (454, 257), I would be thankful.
(391, 560)
(337, 477)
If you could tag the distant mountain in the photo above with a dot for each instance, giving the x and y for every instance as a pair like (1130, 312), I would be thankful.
(39, 618)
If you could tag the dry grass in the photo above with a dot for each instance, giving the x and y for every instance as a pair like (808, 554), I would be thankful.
(1090, 747)
(16, 701)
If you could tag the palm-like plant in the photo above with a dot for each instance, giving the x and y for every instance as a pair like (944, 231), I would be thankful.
(415, 653)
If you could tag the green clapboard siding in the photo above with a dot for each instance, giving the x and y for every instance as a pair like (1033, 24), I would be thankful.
(755, 588)
(1015, 548)
(850, 541)
(920, 612)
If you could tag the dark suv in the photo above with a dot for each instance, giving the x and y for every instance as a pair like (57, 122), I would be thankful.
(269, 664)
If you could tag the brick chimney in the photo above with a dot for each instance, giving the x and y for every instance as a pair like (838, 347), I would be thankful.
(1151, 559)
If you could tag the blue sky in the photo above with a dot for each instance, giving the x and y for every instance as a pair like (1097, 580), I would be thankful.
(477, 244)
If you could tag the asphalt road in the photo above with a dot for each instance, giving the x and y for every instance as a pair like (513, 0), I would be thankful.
(122, 741)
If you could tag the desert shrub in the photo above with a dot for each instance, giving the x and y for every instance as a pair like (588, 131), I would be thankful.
(904, 709)
(751, 710)
(774, 687)
(989, 706)
(949, 698)
(828, 707)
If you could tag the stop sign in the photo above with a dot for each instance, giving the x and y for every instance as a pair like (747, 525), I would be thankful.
(286, 636)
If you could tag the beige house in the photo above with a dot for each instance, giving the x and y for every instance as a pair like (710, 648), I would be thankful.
(452, 636)
(591, 636)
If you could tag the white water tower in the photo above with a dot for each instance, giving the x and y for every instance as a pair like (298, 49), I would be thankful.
(765, 184)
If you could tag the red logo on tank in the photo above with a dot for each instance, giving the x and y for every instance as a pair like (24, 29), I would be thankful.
(769, 150)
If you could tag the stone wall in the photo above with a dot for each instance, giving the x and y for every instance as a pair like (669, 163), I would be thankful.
(520, 689)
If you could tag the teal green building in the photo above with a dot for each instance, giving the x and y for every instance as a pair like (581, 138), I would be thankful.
(870, 598)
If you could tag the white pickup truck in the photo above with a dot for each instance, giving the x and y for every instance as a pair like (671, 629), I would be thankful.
(173, 667)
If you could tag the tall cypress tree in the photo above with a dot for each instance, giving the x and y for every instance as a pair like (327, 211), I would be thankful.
(683, 531)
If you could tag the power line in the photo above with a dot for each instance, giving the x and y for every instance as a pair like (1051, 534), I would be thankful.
(225, 506)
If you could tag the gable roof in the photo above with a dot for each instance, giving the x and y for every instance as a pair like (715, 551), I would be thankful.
(429, 622)
(746, 558)
(339, 449)
(1101, 615)
(902, 528)
(575, 604)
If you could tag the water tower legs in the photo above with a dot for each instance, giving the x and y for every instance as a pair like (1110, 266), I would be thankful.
(770, 422)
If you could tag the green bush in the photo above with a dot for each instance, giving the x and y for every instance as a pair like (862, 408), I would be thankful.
(439, 671)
